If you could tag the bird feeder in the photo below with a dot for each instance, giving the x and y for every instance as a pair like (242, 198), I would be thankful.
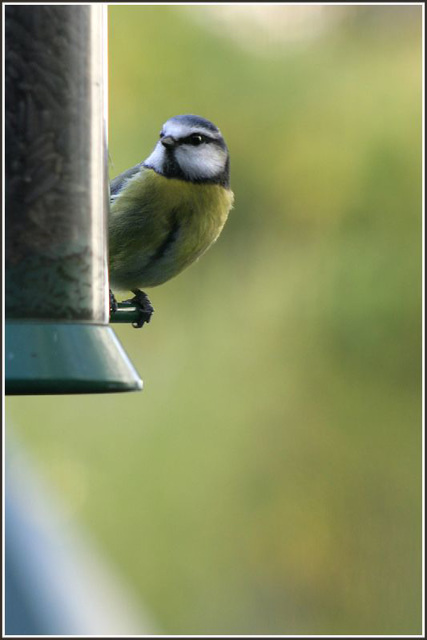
(57, 337)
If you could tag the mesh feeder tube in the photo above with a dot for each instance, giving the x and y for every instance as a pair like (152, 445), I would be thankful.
(56, 297)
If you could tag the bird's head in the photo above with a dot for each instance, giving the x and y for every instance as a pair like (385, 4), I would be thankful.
(191, 148)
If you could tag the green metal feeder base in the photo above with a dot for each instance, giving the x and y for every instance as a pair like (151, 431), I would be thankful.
(52, 358)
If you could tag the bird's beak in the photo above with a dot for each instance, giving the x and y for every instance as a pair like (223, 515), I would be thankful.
(168, 142)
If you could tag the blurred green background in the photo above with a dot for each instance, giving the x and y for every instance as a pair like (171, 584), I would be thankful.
(268, 478)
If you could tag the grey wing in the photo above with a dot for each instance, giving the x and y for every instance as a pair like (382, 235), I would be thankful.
(117, 183)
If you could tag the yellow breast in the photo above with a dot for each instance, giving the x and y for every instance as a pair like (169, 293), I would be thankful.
(159, 226)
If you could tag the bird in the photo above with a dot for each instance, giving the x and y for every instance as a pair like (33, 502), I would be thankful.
(167, 211)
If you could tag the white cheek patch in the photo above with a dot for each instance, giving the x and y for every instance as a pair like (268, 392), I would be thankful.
(157, 157)
(205, 161)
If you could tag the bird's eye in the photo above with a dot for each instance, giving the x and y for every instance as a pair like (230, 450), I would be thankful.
(161, 134)
(195, 139)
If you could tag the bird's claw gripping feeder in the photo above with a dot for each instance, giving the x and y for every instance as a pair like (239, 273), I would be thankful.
(57, 337)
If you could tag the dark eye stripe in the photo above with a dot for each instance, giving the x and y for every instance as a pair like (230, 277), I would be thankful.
(195, 139)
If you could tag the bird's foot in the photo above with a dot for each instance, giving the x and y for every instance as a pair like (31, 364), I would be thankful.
(113, 303)
(144, 306)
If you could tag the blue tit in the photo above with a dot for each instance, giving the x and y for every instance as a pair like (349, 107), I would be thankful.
(168, 210)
